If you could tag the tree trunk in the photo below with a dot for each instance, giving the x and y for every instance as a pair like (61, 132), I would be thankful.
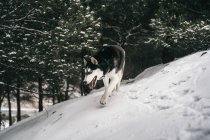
(18, 100)
(67, 88)
(53, 95)
(40, 94)
(0, 117)
(1, 97)
(83, 52)
(9, 103)
(58, 96)
(0, 111)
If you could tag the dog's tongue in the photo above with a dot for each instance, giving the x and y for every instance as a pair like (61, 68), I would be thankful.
(92, 83)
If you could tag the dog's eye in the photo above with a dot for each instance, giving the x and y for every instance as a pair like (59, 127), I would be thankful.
(88, 71)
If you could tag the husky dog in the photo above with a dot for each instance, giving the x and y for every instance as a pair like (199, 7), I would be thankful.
(108, 64)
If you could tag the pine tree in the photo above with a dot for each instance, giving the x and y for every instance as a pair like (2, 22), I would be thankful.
(181, 26)
(76, 30)
(41, 41)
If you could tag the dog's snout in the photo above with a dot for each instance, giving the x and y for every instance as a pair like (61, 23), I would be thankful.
(85, 82)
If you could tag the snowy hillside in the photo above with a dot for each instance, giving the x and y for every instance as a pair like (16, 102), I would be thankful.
(165, 102)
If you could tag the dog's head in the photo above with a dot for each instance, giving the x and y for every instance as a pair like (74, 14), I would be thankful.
(92, 71)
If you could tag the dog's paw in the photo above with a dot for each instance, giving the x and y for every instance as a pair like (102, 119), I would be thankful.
(103, 100)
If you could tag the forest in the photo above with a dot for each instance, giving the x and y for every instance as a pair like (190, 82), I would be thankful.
(42, 43)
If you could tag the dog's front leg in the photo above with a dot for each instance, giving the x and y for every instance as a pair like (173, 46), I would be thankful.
(108, 89)
(106, 84)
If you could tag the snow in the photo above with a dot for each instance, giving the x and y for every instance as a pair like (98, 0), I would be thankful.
(82, 32)
(165, 102)
(207, 27)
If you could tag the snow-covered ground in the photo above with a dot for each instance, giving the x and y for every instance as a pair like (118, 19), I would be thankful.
(165, 102)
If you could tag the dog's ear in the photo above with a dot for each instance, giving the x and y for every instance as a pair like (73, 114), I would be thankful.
(86, 59)
(94, 61)
(85, 62)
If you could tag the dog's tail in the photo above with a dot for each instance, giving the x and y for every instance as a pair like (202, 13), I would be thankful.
(121, 62)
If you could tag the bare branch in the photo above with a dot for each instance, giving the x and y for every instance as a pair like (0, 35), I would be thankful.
(24, 28)
(19, 69)
(106, 38)
(117, 30)
(192, 10)
(11, 12)
(129, 33)
(113, 27)
(20, 19)
(36, 21)
(131, 44)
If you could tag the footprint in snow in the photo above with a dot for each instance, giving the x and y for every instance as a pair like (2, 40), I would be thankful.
(203, 68)
(180, 82)
(146, 102)
(188, 113)
(53, 112)
(133, 97)
(206, 114)
(183, 92)
(58, 118)
(160, 107)
(196, 98)
(206, 111)
(199, 133)
(194, 130)
(164, 71)
(206, 107)
(132, 90)
(163, 97)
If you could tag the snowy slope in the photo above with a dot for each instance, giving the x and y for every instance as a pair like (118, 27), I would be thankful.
(165, 102)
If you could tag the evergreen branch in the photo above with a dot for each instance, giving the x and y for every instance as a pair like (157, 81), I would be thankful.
(20, 69)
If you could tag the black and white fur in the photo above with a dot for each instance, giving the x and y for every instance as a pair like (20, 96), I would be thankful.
(108, 64)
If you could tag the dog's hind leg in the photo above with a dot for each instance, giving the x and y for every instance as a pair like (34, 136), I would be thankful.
(108, 89)
(116, 89)
(119, 82)
(106, 84)
(118, 86)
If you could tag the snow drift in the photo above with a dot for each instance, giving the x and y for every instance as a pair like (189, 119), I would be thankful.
(165, 102)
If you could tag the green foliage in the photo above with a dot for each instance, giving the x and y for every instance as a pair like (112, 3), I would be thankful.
(183, 26)
(76, 30)
(123, 21)
(45, 38)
